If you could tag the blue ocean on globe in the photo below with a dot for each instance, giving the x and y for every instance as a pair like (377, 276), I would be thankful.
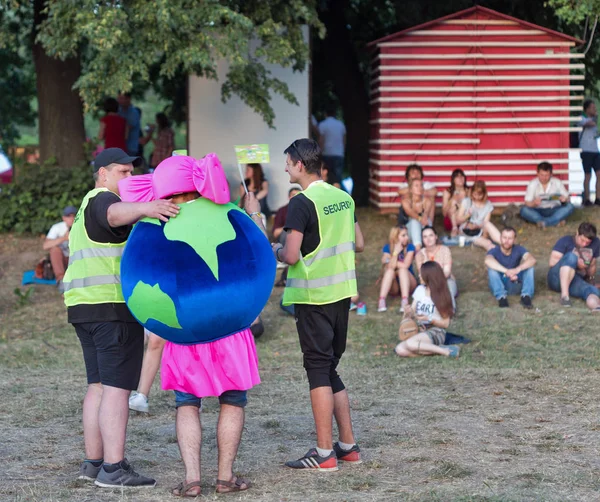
(203, 275)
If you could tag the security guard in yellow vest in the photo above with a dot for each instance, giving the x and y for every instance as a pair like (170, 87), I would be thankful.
(320, 246)
(111, 339)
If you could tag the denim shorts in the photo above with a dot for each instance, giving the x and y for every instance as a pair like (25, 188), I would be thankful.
(237, 398)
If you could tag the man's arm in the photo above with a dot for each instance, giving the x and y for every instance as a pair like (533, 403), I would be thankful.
(52, 243)
(290, 253)
(527, 262)
(120, 214)
(555, 257)
(491, 262)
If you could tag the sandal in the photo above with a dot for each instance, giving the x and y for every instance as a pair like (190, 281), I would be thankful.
(239, 485)
(182, 489)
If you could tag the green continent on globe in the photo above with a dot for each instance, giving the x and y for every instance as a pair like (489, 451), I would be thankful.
(203, 225)
(149, 302)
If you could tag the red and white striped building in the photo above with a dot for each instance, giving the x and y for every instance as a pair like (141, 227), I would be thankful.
(476, 90)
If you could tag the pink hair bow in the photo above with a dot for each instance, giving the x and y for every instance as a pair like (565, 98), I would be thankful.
(179, 174)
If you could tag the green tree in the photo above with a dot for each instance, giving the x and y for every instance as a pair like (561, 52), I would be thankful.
(88, 49)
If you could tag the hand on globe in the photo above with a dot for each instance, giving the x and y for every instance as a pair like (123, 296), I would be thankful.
(161, 209)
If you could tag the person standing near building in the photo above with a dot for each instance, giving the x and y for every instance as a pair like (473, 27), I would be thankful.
(332, 139)
(132, 115)
(588, 142)
(111, 338)
(319, 249)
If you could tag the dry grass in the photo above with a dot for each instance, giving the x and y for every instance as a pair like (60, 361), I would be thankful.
(514, 419)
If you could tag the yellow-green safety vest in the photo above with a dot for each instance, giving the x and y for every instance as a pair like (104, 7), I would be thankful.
(327, 274)
(93, 275)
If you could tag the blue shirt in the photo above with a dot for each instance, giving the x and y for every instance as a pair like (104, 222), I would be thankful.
(409, 248)
(508, 261)
(132, 115)
(566, 244)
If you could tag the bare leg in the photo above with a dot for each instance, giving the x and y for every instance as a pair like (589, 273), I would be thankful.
(586, 186)
(151, 363)
(189, 438)
(229, 435)
(566, 277)
(592, 301)
(91, 430)
(321, 399)
(403, 276)
(58, 262)
(386, 282)
(341, 410)
(420, 345)
(492, 231)
(484, 243)
(597, 197)
(112, 420)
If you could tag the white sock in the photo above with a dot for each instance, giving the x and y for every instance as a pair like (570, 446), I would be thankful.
(324, 453)
(346, 446)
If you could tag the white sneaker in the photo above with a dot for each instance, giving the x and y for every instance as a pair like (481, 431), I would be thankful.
(138, 402)
(381, 306)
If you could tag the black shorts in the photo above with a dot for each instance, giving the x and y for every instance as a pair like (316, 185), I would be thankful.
(322, 330)
(590, 160)
(113, 352)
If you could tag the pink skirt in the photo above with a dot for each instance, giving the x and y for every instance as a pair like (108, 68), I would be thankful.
(209, 369)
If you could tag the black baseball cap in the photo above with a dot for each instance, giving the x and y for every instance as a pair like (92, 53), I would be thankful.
(114, 156)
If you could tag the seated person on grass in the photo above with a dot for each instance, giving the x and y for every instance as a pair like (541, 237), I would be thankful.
(432, 309)
(57, 242)
(573, 267)
(510, 270)
(546, 200)
(475, 215)
(397, 274)
(414, 171)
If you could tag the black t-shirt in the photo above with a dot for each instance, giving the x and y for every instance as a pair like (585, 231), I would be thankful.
(302, 216)
(99, 230)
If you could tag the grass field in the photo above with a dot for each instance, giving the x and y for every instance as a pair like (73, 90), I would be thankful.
(515, 418)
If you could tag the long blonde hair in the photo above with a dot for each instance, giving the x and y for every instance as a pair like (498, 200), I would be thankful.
(394, 233)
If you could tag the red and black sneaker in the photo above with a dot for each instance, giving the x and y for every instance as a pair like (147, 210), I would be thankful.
(352, 456)
(312, 460)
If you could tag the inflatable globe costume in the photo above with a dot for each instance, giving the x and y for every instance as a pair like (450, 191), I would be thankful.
(198, 280)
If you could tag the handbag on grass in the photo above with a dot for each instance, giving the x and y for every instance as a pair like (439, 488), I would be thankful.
(408, 328)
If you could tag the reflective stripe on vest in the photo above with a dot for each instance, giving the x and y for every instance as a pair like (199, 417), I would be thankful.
(86, 282)
(93, 274)
(95, 253)
(322, 282)
(327, 274)
(332, 251)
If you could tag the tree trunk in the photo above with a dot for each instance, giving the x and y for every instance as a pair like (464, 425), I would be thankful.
(348, 81)
(60, 111)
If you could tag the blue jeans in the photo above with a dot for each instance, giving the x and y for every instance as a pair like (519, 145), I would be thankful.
(414, 231)
(579, 287)
(231, 397)
(501, 286)
(550, 216)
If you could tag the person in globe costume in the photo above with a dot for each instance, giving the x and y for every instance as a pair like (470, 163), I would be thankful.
(211, 253)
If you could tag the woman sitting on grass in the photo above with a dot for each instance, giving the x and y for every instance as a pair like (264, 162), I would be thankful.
(452, 199)
(432, 309)
(474, 218)
(418, 209)
(397, 275)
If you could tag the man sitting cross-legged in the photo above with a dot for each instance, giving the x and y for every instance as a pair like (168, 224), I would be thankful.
(573, 267)
(510, 270)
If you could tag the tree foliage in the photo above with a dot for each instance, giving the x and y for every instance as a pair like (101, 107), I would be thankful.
(121, 41)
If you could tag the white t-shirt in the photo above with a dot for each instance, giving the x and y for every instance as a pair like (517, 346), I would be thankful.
(423, 304)
(59, 230)
(427, 185)
(479, 213)
(554, 189)
(332, 131)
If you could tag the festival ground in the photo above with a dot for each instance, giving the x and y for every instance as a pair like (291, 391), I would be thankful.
(516, 417)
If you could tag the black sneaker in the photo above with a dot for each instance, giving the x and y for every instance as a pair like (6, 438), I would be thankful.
(124, 477)
(526, 302)
(597, 202)
(89, 471)
(352, 456)
(588, 203)
(503, 302)
(312, 460)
